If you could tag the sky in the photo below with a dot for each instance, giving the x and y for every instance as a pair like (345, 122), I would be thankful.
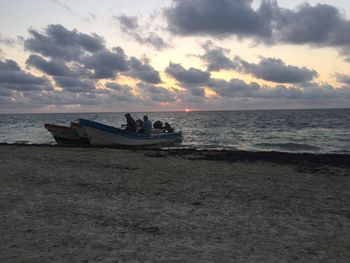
(173, 55)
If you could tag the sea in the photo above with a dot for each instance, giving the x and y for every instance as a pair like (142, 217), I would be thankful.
(312, 131)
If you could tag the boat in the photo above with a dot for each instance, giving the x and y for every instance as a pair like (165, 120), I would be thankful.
(68, 135)
(102, 134)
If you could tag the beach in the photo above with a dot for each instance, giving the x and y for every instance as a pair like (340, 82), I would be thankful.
(149, 205)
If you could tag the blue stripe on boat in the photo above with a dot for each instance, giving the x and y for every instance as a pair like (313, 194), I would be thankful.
(114, 130)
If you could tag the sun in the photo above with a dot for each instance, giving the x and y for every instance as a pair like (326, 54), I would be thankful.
(187, 110)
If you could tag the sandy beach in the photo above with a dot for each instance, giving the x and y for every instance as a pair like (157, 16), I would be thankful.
(122, 205)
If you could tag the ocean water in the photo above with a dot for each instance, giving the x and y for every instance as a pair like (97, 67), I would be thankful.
(316, 131)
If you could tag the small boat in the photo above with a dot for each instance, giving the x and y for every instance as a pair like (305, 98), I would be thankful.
(65, 135)
(101, 134)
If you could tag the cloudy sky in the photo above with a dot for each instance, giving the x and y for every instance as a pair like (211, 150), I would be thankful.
(122, 55)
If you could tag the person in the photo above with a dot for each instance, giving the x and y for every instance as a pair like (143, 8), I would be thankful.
(147, 125)
(168, 128)
(130, 123)
(158, 125)
(139, 124)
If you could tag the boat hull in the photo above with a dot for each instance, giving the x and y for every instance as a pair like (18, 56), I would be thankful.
(64, 135)
(101, 134)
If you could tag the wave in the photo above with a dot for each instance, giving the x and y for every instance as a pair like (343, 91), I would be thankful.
(293, 147)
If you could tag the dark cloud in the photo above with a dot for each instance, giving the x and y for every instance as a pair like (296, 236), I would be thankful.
(130, 25)
(9, 65)
(275, 70)
(12, 77)
(157, 93)
(153, 40)
(5, 92)
(60, 99)
(216, 57)
(270, 69)
(54, 67)
(195, 95)
(73, 84)
(220, 17)
(106, 64)
(143, 71)
(72, 80)
(120, 92)
(128, 22)
(59, 42)
(190, 76)
(198, 92)
(312, 92)
(233, 88)
(280, 92)
(319, 25)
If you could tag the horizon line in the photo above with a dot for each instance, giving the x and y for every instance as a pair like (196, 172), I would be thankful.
(184, 111)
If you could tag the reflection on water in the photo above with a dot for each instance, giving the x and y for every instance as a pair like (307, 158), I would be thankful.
(284, 130)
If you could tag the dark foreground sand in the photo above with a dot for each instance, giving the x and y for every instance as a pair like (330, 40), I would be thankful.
(113, 205)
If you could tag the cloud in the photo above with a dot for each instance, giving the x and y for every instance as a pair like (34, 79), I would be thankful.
(143, 71)
(12, 77)
(128, 22)
(152, 39)
(5, 92)
(216, 57)
(320, 25)
(190, 76)
(63, 5)
(106, 64)
(270, 69)
(73, 84)
(280, 91)
(54, 67)
(233, 88)
(85, 66)
(59, 42)
(157, 93)
(91, 58)
(198, 92)
(7, 41)
(275, 70)
(344, 79)
(120, 92)
(310, 91)
(72, 80)
(130, 26)
(218, 18)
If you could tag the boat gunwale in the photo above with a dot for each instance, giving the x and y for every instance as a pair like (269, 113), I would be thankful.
(51, 127)
(121, 132)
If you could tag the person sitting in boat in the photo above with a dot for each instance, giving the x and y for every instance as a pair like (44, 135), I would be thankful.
(139, 124)
(130, 123)
(158, 125)
(147, 125)
(168, 128)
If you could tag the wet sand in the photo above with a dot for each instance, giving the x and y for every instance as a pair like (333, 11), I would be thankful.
(120, 205)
